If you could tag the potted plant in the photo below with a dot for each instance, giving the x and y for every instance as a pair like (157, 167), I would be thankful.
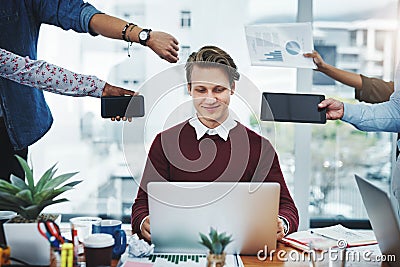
(216, 244)
(28, 200)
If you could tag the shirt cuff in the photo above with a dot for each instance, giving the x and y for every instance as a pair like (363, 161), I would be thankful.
(286, 225)
(141, 223)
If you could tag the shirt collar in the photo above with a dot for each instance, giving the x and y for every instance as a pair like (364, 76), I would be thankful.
(222, 130)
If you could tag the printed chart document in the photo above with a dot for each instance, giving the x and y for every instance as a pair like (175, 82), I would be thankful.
(182, 260)
(280, 45)
(329, 237)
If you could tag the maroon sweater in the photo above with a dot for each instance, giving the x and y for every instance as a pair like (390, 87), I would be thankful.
(176, 155)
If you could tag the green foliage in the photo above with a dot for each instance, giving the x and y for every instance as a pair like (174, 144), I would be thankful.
(28, 199)
(215, 242)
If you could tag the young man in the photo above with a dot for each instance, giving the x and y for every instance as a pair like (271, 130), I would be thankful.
(212, 146)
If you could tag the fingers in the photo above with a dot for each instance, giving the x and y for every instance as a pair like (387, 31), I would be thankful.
(324, 103)
(127, 92)
(329, 103)
(110, 90)
(146, 229)
(280, 233)
(118, 118)
(164, 45)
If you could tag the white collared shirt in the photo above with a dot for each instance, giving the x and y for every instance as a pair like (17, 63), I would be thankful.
(222, 130)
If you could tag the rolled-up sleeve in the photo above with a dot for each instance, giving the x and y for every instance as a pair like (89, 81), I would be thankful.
(68, 15)
(374, 90)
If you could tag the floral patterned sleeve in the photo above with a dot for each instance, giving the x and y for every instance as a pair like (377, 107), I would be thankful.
(49, 77)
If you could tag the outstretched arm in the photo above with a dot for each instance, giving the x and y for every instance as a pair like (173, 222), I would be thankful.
(383, 117)
(348, 78)
(163, 44)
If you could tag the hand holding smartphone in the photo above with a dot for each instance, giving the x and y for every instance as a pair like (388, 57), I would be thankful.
(122, 106)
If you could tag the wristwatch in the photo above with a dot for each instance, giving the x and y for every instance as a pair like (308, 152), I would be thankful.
(144, 36)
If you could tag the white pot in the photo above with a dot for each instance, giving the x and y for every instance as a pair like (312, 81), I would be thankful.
(27, 244)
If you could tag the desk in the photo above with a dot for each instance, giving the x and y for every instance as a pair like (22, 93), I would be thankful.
(252, 261)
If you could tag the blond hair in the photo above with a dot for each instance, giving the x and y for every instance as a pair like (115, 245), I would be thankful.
(212, 56)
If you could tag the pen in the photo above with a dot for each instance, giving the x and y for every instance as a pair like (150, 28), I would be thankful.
(295, 244)
(325, 236)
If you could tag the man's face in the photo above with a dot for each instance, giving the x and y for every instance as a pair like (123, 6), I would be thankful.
(211, 91)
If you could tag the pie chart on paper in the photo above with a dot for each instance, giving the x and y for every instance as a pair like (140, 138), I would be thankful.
(293, 48)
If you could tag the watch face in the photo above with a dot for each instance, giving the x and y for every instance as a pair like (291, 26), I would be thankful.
(143, 35)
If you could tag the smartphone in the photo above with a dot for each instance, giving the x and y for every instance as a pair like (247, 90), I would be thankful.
(123, 106)
(287, 107)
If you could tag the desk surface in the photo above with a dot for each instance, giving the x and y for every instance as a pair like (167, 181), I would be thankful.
(286, 256)
(252, 261)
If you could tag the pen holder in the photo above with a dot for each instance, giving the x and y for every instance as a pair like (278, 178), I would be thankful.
(216, 260)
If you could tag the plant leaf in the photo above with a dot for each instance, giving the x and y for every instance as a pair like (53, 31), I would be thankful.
(217, 247)
(213, 235)
(205, 241)
(11, 199)
(58, 180)
(8, 188)
(28, 172)
(18, 182)
(45, 177)
(49, 194)
(30, 212)
(72, 184)
(25, 195)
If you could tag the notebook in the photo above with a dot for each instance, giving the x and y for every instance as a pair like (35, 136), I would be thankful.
(329, 237)
(382, 216)
(180, 211)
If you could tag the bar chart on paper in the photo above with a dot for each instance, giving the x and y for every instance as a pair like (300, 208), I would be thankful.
(184, 260)
(280, 45)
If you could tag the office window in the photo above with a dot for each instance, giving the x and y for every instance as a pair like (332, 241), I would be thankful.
(184, 53)
(186, 19)
(338, 149)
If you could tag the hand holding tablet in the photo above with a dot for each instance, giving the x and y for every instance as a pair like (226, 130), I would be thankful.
(285, 107)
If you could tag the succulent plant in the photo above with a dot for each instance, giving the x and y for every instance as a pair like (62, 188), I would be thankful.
(216, 243)
(28, 199)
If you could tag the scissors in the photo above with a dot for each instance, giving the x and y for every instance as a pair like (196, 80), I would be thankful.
(50, 230)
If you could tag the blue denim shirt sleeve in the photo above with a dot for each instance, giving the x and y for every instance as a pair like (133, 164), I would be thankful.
(383, 117)
(66, 14)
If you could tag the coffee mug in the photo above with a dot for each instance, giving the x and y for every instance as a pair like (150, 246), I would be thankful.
(113, 227)
(84, 226)
(98, 250)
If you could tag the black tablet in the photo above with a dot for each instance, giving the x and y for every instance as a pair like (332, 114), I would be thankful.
(123, 106)
(287, 107)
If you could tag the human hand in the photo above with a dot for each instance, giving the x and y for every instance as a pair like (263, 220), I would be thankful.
(110, 90)
(145, 229)
(280, 233)
(164, 45)
(334, 108)
(321, 65)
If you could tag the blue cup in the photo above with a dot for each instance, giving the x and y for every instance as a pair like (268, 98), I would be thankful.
(113, 227)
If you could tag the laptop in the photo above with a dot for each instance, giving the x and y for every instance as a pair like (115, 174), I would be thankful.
(179, 211)
(382, 216)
